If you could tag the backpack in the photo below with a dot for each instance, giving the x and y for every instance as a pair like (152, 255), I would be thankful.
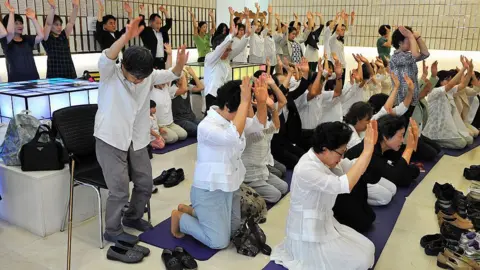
(21, 130)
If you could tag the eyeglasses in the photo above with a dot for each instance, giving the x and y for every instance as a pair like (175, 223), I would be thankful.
(340, 154)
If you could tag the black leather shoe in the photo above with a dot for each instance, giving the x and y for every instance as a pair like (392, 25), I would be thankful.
(471, 174)
(443, 192)
(186, 259)
(449, 231)
(170, 261)
(175, 178)
(163, 177)
(139, 224)
(433, 248)
(115, 253)
(424, 241)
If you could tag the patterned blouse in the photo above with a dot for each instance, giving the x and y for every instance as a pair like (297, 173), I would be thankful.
(296, 53)
(59, 61)
(404, 62)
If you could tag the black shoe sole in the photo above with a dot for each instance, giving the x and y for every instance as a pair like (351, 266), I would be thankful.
(444, 266)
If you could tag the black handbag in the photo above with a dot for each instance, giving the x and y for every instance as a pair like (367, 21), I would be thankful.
(42, 156)
(250, 239)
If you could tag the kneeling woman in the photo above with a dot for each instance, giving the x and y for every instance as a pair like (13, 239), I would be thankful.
(314, 238)
(219, 172)
(353, 209)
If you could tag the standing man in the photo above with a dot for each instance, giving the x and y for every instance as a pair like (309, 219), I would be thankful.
(122, 129)
(155, 35)
(384, 43)
(106, 32)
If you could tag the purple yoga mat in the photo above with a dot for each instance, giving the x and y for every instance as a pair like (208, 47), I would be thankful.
(161, 237)
(175, 146)
(457, 153)
(386, 217)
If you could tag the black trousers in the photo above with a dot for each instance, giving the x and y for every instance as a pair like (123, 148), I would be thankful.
(476, 120)
(209, 101)
(306, 142)
(354, 212)
(427, 150)
(285, 152)
(201, 59)
(159, 63)
(313, 66)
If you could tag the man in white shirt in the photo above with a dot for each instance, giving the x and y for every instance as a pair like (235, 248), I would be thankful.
(217, 69)
(122, 129)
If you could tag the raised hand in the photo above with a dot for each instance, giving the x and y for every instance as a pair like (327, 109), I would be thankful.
(411, 141)
(231, 11)
(267, 61)
(9, 6)
(363, 59)
(334, 56)
(434, 69)
(162, 9)
(405, 32)
(409, 82)
(211, 13)
(100, 6)
(309, 15)
(52, 3)
(182, 56)
(425, 70)
(338, 69)
(246, 90)
(140, 8)
(270, 9)
(415, 129)
(127, 7)
(303, 66)
(320, 66)
(30, 13)
(257, 6)
(168, 48)
(352, 14)
(470, 66)
(357, 58)
(269, 79)
(396, 81)
(75, 3)
(371, 137)
(270, 104)
(261, 89)
(133, 29)
(318, 14)
(295, 16)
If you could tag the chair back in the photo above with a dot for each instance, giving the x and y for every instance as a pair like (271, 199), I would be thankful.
(75, 125)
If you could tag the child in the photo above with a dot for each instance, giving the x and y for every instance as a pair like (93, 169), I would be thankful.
(55, 42)
(157, 141)
(18, 48)
(122, 129)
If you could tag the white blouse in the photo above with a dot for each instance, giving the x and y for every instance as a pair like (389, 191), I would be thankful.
(314, 190)
(219, 151)
(331, 107)
(163, 97)
(354, 139)
(257, 44)
(350, 95)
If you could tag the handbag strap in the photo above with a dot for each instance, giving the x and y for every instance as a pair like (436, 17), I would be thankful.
(40, 132)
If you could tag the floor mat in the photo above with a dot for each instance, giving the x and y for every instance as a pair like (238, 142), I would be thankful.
(175, 146)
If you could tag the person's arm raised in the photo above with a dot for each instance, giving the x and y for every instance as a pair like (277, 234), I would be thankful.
(245, 102)
(456, 79)
(261, 96)
(214, 23)
(49, 20)
(168, 50)
(413, 42)
(73, 17)
(101, 9)
(11, 21)
(338, 73)
(132, 30)
(31, 15)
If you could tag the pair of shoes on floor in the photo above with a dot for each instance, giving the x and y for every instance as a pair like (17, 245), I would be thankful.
(450, 231)
(170, 178)
(449, 259)
(448, 197)
(178, 259)
(127, 253)
(472, 173)
(436, 243)
(455, 220)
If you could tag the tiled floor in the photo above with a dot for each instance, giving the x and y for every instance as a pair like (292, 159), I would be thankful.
(21, 250)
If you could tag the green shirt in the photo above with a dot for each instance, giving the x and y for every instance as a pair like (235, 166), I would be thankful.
(203, 44)
(382, 50)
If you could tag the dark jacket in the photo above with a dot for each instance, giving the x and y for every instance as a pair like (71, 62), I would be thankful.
(150, 40)
(105, 38)
(314, 37)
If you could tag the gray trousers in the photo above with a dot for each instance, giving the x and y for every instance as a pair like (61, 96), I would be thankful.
(119, 167)
(278, 169)
(271, 189)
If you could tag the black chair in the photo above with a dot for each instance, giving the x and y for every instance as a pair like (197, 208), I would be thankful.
(75, 125)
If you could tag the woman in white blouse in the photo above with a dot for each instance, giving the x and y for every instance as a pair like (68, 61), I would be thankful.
(215, 212)
(337, 43)
(315, 240)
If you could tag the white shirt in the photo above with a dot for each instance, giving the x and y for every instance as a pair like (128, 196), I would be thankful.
(327, 33)
(219, 150)
(257, 44)
(311, 113)
(350, 95)
(217, 71)
(271, 51)
(154, 127)
(242, 57)
(354, 139)
(399, 110)
(336, 46)
(123, 107)
(163, 97)
(314, 190)
(160, 49)
(278, 43)
(331, 107)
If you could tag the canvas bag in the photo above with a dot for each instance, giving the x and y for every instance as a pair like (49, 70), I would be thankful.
(21, 129)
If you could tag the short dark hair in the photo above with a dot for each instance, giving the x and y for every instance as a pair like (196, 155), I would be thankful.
(240, 26)
(366, 72)
(357, 112)
(291, 29)
(342, 39)
(17, 18)
(444, 75)
(389, 125)
(200, 24)
(236, 19)
(477, 75)
(229, 95)
(377, 101)
(330, 135)
(329, 22)
(280, 26)
(153, 16)
(292, 23)
(138, 61)
(57, 18)
(108, 17)
(217, 40)
(153, 104)
(382, 31)
(398, 37)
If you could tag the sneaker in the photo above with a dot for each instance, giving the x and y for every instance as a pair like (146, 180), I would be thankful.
(187, 260)
(139, 224)
(125, 237)
(115, 253)
(170, 261)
